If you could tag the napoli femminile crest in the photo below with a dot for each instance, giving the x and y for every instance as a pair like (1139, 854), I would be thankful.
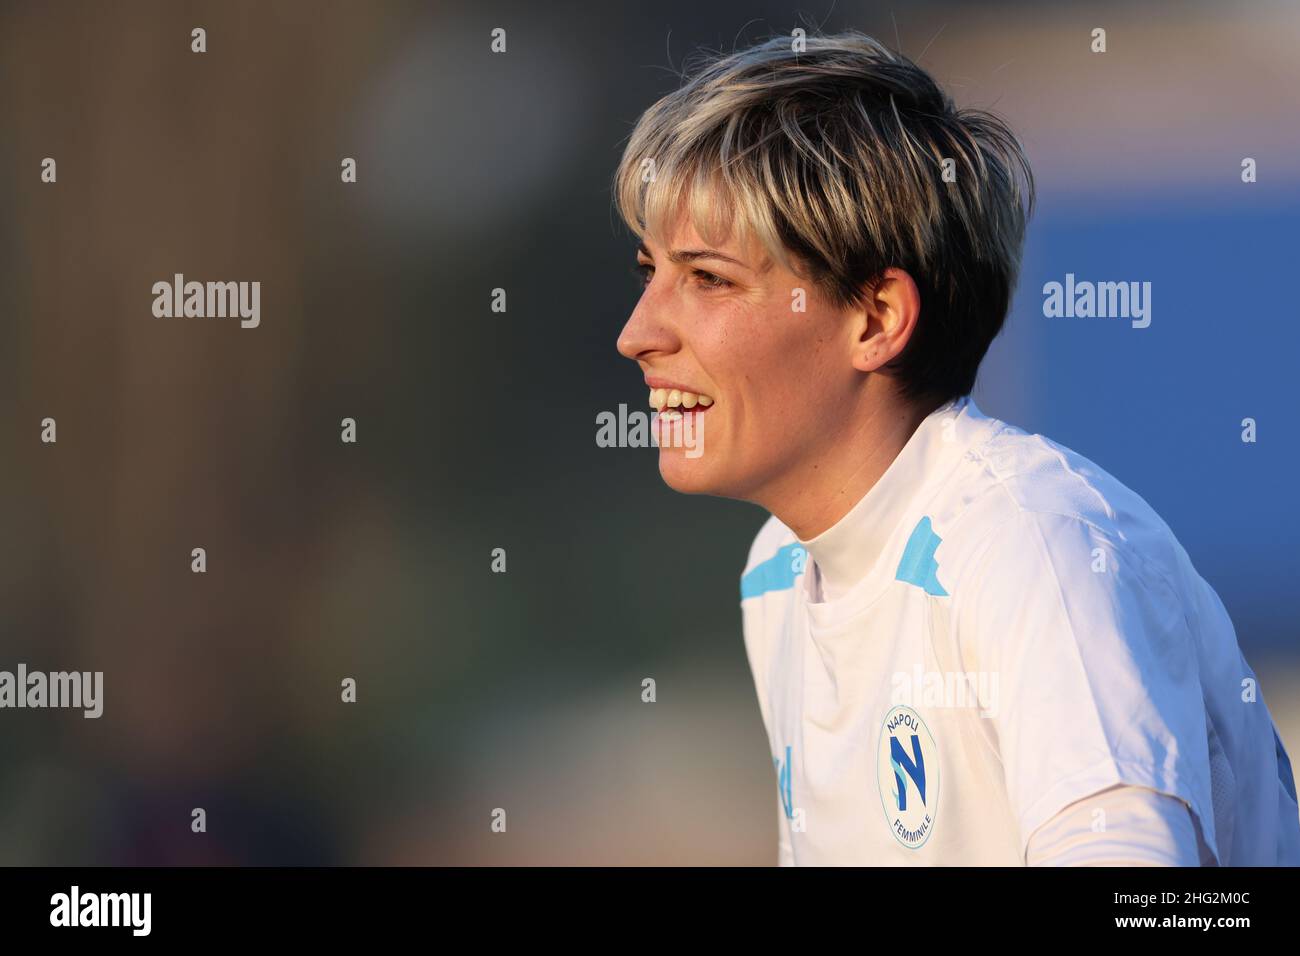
(907, 771)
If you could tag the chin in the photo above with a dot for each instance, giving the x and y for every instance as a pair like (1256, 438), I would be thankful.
(689, 476)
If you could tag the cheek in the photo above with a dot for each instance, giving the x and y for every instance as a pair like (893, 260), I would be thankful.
(774, 371)
(785, 365)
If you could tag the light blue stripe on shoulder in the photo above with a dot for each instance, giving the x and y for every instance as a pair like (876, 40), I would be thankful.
(918, 565)
(777, 573)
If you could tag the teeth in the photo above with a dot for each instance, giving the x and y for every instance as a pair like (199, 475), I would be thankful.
(671, 415)
(662, 398)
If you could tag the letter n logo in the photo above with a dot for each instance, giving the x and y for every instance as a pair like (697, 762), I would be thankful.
(913, 766)
(907, 759)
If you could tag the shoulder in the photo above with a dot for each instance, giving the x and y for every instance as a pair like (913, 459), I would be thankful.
(1061, 555)
(1032, 508)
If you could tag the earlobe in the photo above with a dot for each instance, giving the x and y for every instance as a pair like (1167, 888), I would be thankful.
(887, 320)
(868, 360)
(866, 349)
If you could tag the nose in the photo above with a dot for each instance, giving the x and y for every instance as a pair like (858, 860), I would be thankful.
(648, 331)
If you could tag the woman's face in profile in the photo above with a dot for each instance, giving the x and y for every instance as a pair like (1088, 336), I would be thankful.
(770, 385)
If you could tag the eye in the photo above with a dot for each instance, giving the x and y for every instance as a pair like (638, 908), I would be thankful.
(708, 280)
(644, 272)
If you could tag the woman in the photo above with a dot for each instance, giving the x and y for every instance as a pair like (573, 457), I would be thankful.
(970, 644)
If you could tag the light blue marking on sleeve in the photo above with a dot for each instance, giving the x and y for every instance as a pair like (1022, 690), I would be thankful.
(918, 565)
(777, 573)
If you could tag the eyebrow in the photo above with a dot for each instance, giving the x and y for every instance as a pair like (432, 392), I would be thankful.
(681, 256)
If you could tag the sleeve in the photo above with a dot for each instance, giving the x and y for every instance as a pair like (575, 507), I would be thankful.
(1121, 826)
(1095, 668)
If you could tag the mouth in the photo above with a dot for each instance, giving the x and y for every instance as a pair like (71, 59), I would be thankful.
(673, 403)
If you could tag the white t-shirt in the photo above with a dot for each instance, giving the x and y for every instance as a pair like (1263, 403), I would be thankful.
(1009, 631)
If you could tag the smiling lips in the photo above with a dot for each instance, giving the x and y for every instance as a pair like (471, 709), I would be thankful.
(672, 401)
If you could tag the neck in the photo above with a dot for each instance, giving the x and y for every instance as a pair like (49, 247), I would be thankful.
(818, 493)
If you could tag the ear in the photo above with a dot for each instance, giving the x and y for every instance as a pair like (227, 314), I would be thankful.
(885, 321)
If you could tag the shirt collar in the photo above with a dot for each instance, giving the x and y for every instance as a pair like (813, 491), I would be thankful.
(845, 552)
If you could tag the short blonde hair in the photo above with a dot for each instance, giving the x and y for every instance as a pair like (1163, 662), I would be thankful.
(833, 158)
